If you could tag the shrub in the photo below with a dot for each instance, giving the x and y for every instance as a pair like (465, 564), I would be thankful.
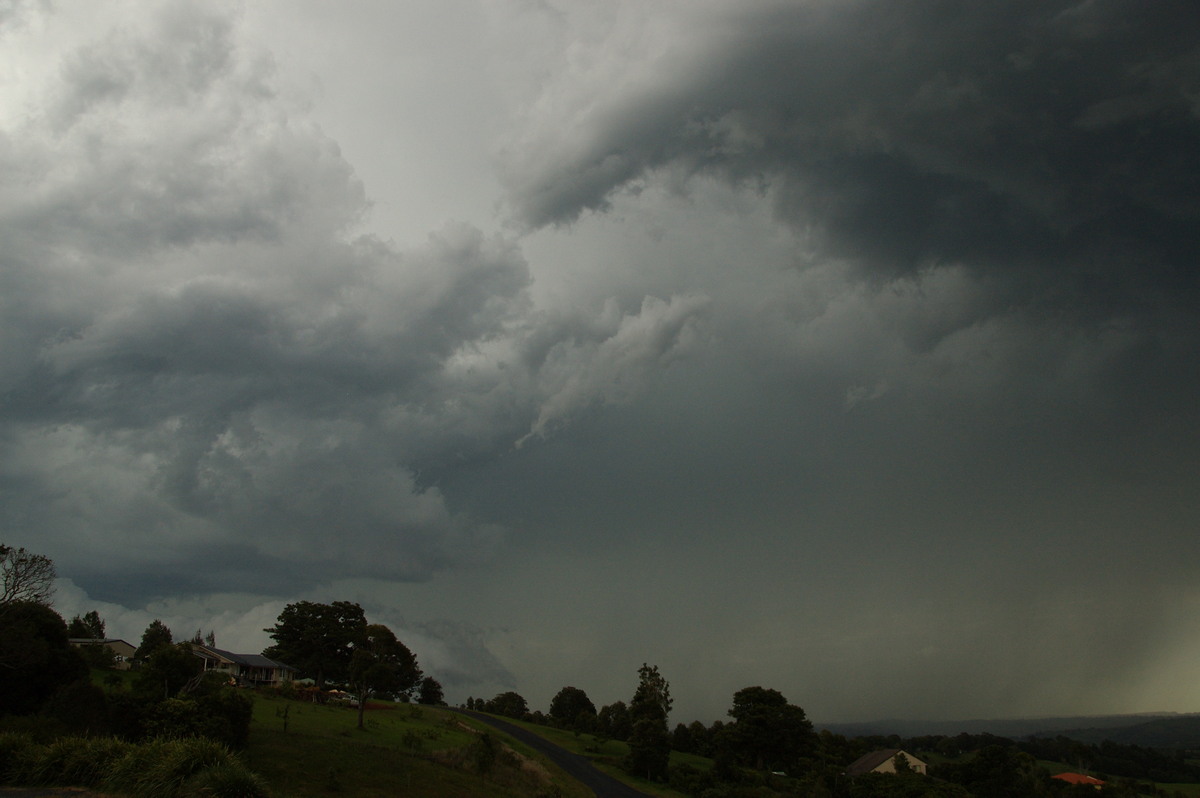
(17, 754)
(76, 761)
(160, 767)
(229, 779)
(81, 707)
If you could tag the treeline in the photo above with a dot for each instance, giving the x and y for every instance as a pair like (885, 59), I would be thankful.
(768, 747)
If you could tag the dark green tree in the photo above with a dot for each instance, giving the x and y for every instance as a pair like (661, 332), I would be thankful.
(649, 736)
(613, 720)
(430, 693)
(381, 665)
(768, 733)
(509, 704)
(168, 670)
(36, 660)
(569, 704)
(317, 639)
(90, 625)
(156, 636)
(25, 576)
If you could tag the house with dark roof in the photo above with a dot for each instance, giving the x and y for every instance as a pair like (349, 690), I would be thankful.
(884, 761)
(122, 651)
(250, 670)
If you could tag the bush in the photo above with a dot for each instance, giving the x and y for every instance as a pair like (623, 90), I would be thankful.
(17, 754)
(160, 768)
(229, 779)
(81, 707)
(75, 761)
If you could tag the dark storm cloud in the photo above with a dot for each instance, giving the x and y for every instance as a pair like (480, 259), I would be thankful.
(1056, 142)
(201, 364)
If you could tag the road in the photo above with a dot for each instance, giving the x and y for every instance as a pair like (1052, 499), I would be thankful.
(578, 767)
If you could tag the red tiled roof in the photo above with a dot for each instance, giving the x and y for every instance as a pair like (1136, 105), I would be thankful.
(1078, 778)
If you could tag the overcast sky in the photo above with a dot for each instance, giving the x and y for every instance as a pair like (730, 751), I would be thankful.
(846, 348)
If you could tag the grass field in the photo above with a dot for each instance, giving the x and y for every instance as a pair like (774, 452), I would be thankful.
(304, 750)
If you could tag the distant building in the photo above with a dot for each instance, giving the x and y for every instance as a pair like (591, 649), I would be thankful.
(884, 761)
(122, 652)
(249, 670)
(1079, 778)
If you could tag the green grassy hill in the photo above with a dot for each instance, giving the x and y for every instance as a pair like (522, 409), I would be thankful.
(305, 749)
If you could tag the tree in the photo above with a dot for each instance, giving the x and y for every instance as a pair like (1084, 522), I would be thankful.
(613, 720)
(509, 704)
(90, 625)
(649, 736)
(768, 732)
(167, 670)
(430, 693)
(26, 576)
(36, 659)
(317, 639)
(381, 664)
(569, 704)
(156, 636)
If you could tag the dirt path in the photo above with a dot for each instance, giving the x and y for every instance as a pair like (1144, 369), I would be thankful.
(578, 767)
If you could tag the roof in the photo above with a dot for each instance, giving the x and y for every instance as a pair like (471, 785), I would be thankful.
(100, 641)
(1078, 778)
(247, 660)
(868, 762)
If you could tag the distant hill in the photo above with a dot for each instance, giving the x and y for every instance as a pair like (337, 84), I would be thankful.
(1175, 732)
(1167, 729)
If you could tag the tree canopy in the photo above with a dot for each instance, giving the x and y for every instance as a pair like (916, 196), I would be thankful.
(768, 732)
(569, 703)
(317, 639)
(381, 665)
(649, 736)
(156, 636)
(90, 625)
(35, 658)
(25, 576)
(430, 693)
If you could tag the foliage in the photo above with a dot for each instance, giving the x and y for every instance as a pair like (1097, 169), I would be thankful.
(25, 577)
(81, 707)
(649, 737)
(569, 704)
(317, 639)
(168, 669)
(509, 704)
(613, 721)
(97, 655)
(158, 768)
(90, 625)
(998, 771)
(223, 716)
(430, 693)
(768, 732)
(156, 636)
(35, 658)
(228, 779)
(381, 665)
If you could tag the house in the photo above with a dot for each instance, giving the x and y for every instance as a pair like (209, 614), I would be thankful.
(122, 652)
(884, 761)
(1079, 778)
(250, 670)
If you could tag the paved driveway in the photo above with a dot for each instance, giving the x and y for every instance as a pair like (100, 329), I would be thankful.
(604, 785)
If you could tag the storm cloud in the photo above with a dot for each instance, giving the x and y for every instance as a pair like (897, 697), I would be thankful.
(820, 346)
